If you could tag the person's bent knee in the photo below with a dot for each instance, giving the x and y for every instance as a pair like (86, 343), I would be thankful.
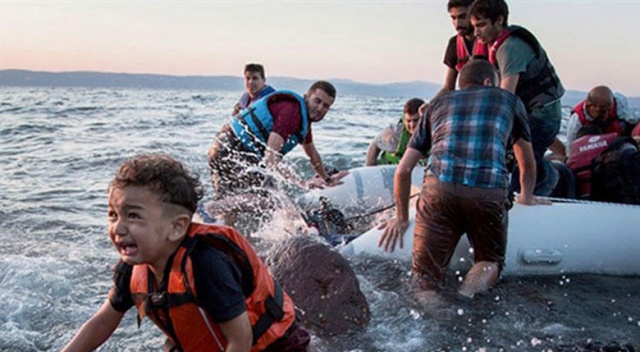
(480, 278)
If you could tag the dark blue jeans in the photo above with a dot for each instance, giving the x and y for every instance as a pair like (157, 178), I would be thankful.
(544, 123)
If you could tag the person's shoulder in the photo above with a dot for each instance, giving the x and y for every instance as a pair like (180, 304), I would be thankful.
(122, 268)
(283, 103)
(453, 41)
(521, 41)
(210, 261)
(507, 96)
(278, 96)
(387, 139)
(513, 42)
(205, 246)
(448, 99)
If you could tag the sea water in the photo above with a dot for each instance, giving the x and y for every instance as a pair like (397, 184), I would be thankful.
(59, 148)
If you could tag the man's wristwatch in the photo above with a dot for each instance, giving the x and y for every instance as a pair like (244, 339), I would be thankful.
(327, 179)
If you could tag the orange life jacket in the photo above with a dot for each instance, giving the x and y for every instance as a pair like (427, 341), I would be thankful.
(582, 151)
(188, 326)
(479, 51)
(610, 125)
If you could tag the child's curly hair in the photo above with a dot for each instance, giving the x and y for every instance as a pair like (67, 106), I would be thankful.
(163, 175)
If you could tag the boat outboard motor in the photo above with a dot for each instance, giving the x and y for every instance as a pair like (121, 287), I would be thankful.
(329, 222)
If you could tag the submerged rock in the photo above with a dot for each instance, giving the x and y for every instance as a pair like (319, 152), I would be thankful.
(322, 285)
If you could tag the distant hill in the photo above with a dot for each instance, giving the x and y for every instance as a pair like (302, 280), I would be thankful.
(25, 78)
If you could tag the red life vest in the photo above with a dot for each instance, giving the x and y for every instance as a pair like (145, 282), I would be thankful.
(479, 50)
(581, 152)
(636, 131)
(610, 125)
(188, 326)
(493, 48)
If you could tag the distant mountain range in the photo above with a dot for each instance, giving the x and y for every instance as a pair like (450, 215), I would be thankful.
(25, 78)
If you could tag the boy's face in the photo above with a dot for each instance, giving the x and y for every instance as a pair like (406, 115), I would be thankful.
(254, 82)
(138, 226)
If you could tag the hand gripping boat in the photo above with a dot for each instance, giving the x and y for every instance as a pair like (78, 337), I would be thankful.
(569, 236)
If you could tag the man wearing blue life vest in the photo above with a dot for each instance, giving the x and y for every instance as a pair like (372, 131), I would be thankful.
(526, 71)
(261, 135)
(256, 85)
(389, 146)
(463, 45)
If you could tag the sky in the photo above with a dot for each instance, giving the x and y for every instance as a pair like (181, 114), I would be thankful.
(372, 41)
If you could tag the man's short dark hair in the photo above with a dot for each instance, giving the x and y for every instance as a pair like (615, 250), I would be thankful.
(254, 68)
(458, 3)
(475, 72)
(412, 105)
(325, 86)
(491, 9)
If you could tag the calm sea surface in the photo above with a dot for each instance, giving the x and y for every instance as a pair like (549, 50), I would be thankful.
(59, 148)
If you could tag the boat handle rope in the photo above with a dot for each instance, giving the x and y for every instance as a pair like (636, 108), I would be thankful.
(552, 199)
(377, 210)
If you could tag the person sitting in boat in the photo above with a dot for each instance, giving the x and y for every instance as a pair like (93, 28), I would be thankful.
(392, 142)
(256, 85)
(615, 173)
(589, 143)
(608, 110)
(466, 135)
(203, 285)
(635, 134)
(261, 135)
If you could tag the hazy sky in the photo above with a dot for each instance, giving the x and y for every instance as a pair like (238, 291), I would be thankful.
(589, 42)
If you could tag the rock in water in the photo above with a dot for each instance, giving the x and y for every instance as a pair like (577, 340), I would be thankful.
(322, 285)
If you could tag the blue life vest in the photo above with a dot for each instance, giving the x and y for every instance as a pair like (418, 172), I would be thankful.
(253, 125)
(245, 99)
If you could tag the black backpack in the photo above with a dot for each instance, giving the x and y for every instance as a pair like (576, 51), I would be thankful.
(616, 173)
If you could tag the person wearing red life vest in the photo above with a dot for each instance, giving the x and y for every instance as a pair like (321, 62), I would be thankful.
(603, 108)
(203, 285)
(461, 47)
(636, 133)
(590, 143)
(525, 70)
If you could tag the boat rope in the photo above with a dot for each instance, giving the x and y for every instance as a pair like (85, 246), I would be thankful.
(552, 199)
(581, 201)
(360, 216)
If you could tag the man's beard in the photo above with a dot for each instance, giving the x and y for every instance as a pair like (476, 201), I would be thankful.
(464, 31)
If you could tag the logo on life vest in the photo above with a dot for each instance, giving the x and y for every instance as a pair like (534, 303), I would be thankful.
(592, 146)
(593, 139)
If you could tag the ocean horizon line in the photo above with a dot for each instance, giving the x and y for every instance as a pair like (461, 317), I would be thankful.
(16, 77)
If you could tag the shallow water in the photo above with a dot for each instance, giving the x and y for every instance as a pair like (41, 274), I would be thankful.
(59, 148)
